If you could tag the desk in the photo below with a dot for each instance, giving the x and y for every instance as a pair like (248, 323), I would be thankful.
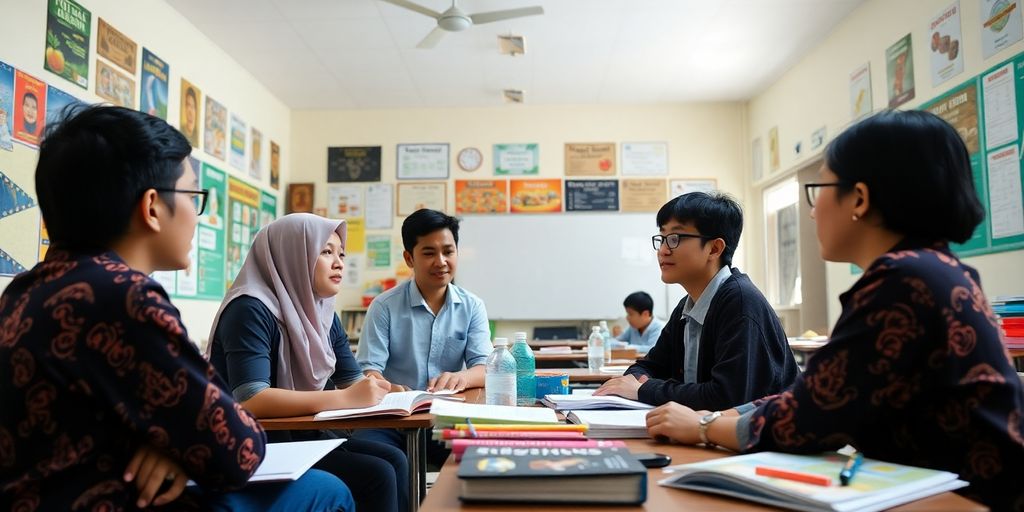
(585, 374)
(444, 496)
(537, 344)
(625, 356)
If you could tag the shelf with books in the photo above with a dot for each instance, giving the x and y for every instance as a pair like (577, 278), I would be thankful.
(352, 319)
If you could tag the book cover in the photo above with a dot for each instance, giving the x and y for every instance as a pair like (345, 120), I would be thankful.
(459, 446)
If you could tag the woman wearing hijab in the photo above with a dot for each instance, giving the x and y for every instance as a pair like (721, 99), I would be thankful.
(279, 344)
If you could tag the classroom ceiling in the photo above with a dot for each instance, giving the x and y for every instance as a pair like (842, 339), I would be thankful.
(344, 54)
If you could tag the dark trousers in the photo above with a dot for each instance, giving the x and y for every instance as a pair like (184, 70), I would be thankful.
(437, 453)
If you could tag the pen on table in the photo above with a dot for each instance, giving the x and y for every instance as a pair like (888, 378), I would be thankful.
(850, 469)
(796, 476)
(472, 431)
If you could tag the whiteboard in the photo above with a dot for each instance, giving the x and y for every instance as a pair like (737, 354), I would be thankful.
(560, 267)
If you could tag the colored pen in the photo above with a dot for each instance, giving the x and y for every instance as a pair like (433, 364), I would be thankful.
(472, 431)
(850, 469)
(796, 476)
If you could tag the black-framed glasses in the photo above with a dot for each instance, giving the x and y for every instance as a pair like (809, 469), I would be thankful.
(674, 239)
(198, 197)
(811, 190)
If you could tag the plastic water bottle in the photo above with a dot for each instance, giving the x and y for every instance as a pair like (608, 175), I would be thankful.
(526, 367)
(607, 335)
(500, 383)
(595, 349)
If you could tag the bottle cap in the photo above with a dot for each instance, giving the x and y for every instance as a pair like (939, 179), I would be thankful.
(500, 342)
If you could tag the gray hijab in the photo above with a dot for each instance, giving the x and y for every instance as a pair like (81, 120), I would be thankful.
(279, 272)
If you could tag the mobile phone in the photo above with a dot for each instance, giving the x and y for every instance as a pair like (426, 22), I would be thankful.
(653, 460)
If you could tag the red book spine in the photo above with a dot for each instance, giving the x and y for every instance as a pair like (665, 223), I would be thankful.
(459, 446)
(449, 433)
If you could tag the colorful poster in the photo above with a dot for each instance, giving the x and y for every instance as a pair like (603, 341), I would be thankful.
(210, 236)
(536, 196)
(155, 73)
(215, 128)
(516, 159)
(275, 166)
(380, 206)
(680, 187)
(861, 103)
(185, 283)
(1000, 25)
(591, 195)
(67, 41)
(256, 154)
(355, 240)
(56, 101)
(116, 47)
(481, 196)
(947, 59)
(268, 208)
(114, 86)
(188, 121)
(237, 155)
(300, 198)
(344, 201)
(640, 195)
(29, 109)
(422, 161)
(960, 109)
(899, 65)
(644, 158)
(349, 164)
(416, 196)
(587, 159)
(378, 251)
(243, 223)
(6, 106)
(773, 149)
(13, 198)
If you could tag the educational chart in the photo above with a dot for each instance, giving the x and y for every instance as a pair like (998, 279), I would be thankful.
(947, 60)
(67, 41)
(590, 159)
(243, 223)
(591, 195)
(268, 208)
(644, 158)
(153, 97)
(643, 195)
(210, 236)
(348, 164)
(422, 161)
(344, 201)
(516, 159)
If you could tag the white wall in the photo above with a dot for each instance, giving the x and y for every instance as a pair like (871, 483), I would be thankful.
(815, 93)
(155, 25)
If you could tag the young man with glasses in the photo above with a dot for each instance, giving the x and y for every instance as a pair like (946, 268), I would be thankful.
(723, 345)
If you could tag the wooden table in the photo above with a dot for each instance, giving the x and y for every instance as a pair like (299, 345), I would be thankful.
(444, 496)
(537, 344)
(622, 356)
(580, 375)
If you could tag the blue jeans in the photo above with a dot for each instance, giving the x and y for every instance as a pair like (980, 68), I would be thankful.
(315, 491)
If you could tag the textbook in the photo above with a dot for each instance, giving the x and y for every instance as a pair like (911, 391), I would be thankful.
(625, 424)
(578, 402)
(283, 462)
(449, 413)
(877, 485)
(459, 446)
(541, 475)
(403, 403)
(449, 434)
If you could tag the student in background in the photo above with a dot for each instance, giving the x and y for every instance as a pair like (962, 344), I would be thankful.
(426, 333)
(915, 371)
(644, 328)
(106, 402)
(723, 345)
(281, 347)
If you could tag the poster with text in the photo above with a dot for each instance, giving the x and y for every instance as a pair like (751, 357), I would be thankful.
(211, 236)
(416, 196)
(1005, 193)
(114, 86)
(155, 73)
(344, 201)
(355, 239)
(29, 109)
(380, 206)
(644, 158)
(255, 154)
(116, 47)
(6, 106)
(422, 161)
(535, 196)
(946, 58)
(243, 224)
(215, 128)
(275, 166)
(56, 101)
(860, 92)
(643, 195)
(237, 155)
(516, 159)
(677, 188)
(591, 195)
(378, 251)
(353, 164)
(67, 41)
(481, 196)
(1000, 25)
(590, 159)
(185, 283)
(899, 66)
(959, 108)
(188, 121)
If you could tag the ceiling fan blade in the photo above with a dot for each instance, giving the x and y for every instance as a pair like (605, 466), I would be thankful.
(488, 17)
(414, 7)
(432, 39)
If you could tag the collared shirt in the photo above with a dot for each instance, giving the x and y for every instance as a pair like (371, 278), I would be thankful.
(694, 314)
(408, 343)
(646, 340)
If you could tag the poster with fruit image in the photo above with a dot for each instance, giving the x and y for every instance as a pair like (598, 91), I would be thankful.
(481, 196)
(67, 41)
(590, 159)
(29, 108)
(536, 196)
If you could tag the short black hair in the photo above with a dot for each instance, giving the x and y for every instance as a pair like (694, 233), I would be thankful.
(716, 215)
(639, 302)
(29, 95)
(94, 165)
(423, 222)
(917, 171)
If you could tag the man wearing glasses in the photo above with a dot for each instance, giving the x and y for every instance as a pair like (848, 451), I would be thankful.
(723, 345)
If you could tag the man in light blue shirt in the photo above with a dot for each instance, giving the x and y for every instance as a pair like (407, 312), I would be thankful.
(644, 328)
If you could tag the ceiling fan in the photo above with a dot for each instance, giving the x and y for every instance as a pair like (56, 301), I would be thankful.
(455, 20)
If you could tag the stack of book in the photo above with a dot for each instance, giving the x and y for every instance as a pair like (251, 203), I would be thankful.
(520, 446)
(623, 424)
(1010, 310)
(478, 421)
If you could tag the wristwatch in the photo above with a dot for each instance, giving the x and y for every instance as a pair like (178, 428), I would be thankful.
(705, 422)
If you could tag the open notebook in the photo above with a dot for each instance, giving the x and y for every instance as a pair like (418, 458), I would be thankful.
(288, 461)
(877, 485)
(624, 424)
(402, 403)
(576, 402)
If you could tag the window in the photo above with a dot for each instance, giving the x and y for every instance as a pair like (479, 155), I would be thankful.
(782, 242)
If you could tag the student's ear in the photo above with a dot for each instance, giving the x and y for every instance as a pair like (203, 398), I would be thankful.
(151, 210)
(717, 248)
(862, 200)
(408, 258)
